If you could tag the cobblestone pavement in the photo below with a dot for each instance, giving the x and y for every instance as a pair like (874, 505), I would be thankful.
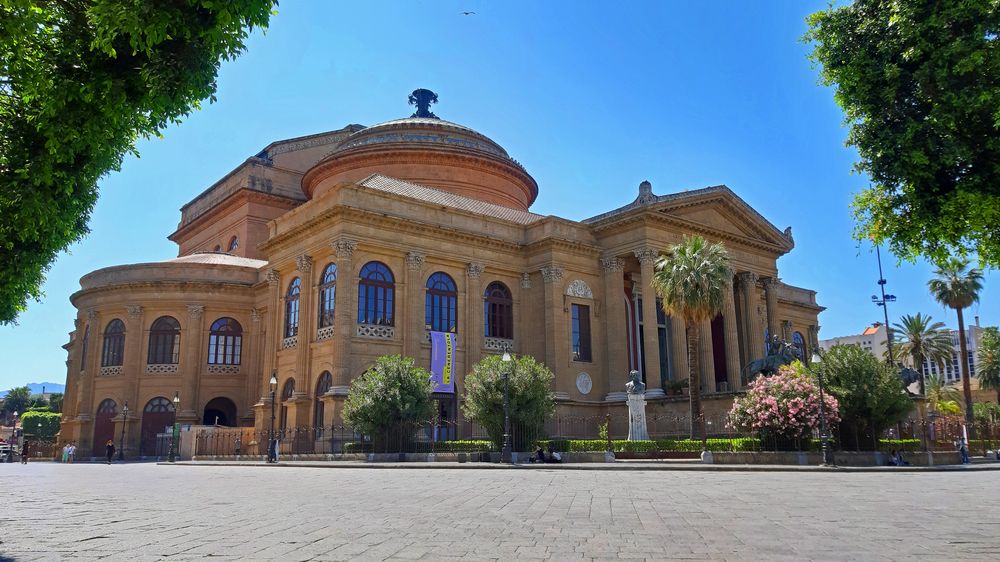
(143, 511)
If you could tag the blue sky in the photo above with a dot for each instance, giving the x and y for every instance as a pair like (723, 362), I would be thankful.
(591, 98)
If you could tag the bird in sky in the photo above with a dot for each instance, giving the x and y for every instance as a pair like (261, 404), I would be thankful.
(468, 13)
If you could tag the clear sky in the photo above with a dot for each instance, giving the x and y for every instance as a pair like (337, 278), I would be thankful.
(591, 98)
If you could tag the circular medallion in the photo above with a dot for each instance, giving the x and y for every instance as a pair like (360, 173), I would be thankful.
(584, 383)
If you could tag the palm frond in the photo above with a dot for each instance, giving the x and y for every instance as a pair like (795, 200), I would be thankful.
(955, 285)
(692, 279)
(921, 338)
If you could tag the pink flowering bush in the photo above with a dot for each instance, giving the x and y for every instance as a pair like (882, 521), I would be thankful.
(785, 404)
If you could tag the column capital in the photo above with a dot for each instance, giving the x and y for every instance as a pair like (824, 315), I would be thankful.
(747, 278)
(414, 261)
(195, 311)
(551, 273)
(525, 281)
(91, 315)
(612, 264)
(645, 255)
(344, 247)
(273, 277)
(770, 282)
(304, 263)
(474, 270)
(255, 315)
(134, 311)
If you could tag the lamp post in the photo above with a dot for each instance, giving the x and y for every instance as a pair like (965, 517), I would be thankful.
(121, 442)
(13, 429)
(881, 302)
(174, 430)
(816, 360)
(505, 454)
(271, 456)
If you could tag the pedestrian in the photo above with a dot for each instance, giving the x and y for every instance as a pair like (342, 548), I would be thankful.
(109, 449)
(963, 450)
(65, 453)
(72, 451)
(25, 451)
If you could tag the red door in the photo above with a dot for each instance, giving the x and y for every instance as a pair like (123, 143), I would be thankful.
(104, 426)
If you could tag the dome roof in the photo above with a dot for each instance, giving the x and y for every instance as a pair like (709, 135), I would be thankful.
(426, 150)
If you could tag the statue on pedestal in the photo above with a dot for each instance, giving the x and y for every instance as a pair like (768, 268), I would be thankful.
(636, 390)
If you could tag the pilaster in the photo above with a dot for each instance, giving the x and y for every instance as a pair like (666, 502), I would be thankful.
(307, 322)
(344, 315)
(135, 353)
(413, 321)
(472, 332)
(191, 361)
(615, 334)
(556, 345)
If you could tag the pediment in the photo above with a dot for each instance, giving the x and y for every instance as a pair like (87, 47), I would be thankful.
(723, 212)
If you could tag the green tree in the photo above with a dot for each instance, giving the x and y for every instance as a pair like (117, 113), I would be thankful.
(56, 401)
(941, 396)
(988, 362)
(80, 82)
(919, 83)
(17, 400)
(870, 393)
(691, 282)
(40, 425)
(389, 399)
(985, 412)
(957, 287)
(531, 398)
(920, 339)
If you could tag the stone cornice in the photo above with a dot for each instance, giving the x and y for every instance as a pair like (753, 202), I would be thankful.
(163, 289)
(238, 197)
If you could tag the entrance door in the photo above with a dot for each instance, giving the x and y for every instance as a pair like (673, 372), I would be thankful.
(104, 426)
(156, 416)
(220, 411)
(447, 425)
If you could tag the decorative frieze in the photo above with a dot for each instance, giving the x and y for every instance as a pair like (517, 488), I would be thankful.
(134, 311)
(324, 333)
(551, 273)
(223, 369)
(289, 342)
(344, 247)
(304, 263)
(609, 265)
(474, 270)
(111, 371)
(195, 311)
(498, 345)
(414, 261)
(645, 255)
(91, 315)
(525, 281)
(579, 288)
(162, 369)
(376, 331)
(273, 277)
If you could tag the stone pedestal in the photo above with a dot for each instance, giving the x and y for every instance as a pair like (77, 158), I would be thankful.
(637, 418)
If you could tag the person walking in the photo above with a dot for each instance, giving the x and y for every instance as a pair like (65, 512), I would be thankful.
(109, 450)
(65, 453)
(72, 451)
(25, 451)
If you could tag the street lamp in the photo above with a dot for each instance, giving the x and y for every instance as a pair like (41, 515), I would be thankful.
(505, 453)
(13, 428)
(881, 302)
(816, 360)
(174, 430)
(271, 453)
(121, 442)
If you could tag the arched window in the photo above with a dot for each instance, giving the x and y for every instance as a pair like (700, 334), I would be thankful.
(225, 341)
(498, 311)
(164, 341)
(292, 308)
(327, 295)
(376, 295)
(114, 344)
(234, 243)
(286, 394)
(441, 303)
(108, 406)
(84, 343)
(322, 387)
(799, 343)
(159, 405)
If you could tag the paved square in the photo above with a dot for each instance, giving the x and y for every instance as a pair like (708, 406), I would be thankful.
(142, 511)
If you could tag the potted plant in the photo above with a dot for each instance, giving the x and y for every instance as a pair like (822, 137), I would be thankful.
(676, 387)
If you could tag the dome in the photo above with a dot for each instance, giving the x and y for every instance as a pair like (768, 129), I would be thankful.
(426, 150)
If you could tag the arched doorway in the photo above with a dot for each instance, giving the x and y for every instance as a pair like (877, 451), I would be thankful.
(156, 417)
(220, 411)
(104, 425)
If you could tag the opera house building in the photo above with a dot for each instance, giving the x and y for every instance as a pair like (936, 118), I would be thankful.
(320, 253)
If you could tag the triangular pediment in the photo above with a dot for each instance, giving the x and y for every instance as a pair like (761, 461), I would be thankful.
(722, 211)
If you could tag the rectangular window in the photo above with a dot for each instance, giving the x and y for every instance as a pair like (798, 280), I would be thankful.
(581, 333)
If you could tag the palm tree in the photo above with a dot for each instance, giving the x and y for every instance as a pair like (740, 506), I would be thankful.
(957, 287)
(941, 396)
(691, 281)
(988, 363)
(921, 338)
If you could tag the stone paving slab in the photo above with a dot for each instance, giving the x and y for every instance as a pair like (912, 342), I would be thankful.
(150, 512)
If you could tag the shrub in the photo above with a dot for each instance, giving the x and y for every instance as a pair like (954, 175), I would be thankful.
(49, 420)
(904, 445)
(785, 405)
(389, 399)
(531, 400)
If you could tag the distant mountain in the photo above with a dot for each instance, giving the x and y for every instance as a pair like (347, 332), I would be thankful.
(36, 388)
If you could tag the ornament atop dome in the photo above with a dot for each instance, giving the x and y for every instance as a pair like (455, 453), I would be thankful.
(423, 98)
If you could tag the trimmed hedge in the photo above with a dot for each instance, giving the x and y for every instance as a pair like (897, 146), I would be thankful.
(454, 446)
(904, 445)
(653, 446)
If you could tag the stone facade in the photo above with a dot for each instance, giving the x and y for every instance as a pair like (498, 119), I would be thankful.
(415, 197)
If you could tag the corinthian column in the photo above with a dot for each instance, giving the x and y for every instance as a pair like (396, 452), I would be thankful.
(344, 314)
(706, 358)
(771, 302)
(650, 337)
(731, 335)
(412, 325)
(752, 338)
(616, 334)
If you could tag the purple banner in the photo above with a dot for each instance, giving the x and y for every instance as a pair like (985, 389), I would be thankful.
(443, 361)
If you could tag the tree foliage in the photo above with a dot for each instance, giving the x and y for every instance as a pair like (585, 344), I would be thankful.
(921, 338)
(870, 393)
(691, 282)
(941, 396)
(988, 361)
(919, 83)
(40, 425)
(17, 400)
(391, 395)
(80, 82)
(531, 398)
